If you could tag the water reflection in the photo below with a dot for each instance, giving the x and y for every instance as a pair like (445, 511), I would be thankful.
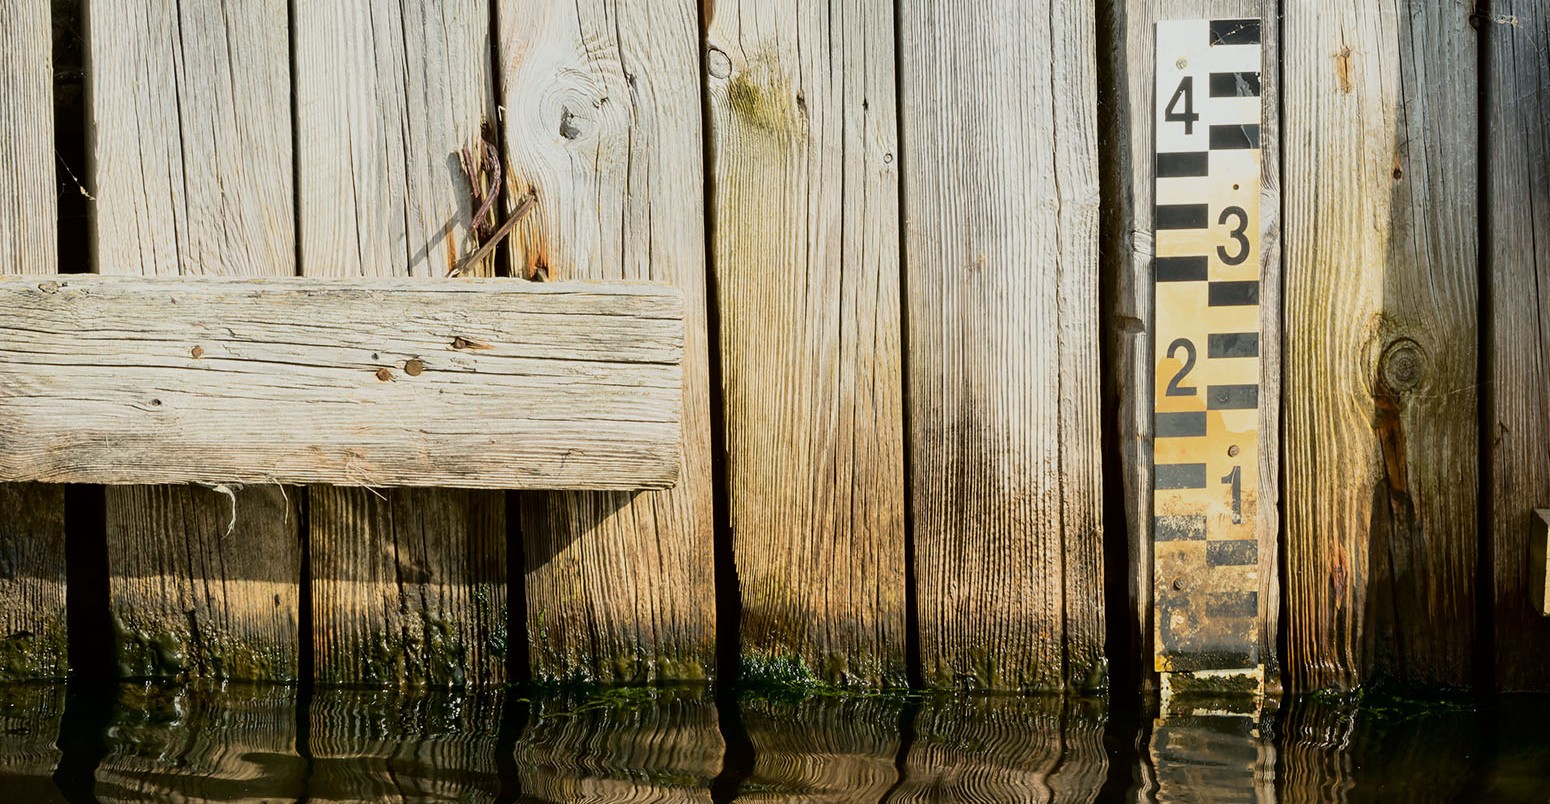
(237, 743)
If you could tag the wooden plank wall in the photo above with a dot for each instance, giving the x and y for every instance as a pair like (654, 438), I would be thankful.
(602, 117)
(1129, 182)
(1381, 330)
(189, 138)
(408, 585)
(998, 119)
(1516, 173)
(805, 250)
(32, 535)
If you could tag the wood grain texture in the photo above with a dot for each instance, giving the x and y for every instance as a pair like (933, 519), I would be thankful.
(1381, 435)
(428, 745)
(408, 588)
(29, 218)
(32, 540)
(190, 161)
(228, 743)
(999, 124)
(1129, 182)
(805, 223)
(662, 747)
(412, 588)
(1517, 191)
(602, 114)
(381, 382)
(1005, 748)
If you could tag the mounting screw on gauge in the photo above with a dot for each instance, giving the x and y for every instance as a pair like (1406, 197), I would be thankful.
(1232, 451)
(1178, 584)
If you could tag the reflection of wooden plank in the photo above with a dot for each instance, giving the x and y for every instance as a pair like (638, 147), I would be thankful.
(996, 748)
(1380, 446)
(221, 744)
(1001, 275)
(601, 104)
(821, 749)
(32, 538)
(189, 128)
(29, 730)
(665, 747)
(806, 223)
(1517, 191)
(1332, 752)
(390, 746)
(370, 382)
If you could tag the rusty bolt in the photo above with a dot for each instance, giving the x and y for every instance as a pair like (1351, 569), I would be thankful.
(197, 352)
(384, 375)
(414, 367)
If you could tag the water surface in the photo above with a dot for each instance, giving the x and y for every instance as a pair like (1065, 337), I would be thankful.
(267, 743)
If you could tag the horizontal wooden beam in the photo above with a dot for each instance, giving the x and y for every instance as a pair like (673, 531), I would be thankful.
(463, 383)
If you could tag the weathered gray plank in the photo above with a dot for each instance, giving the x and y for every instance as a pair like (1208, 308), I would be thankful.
(362, 383)
(602, 112)
(1380, 387)
(806, 243)
(408, 586)
(1517, 191)
(1129, 182)
(189, 148)
(32, 541)
(1001, 209)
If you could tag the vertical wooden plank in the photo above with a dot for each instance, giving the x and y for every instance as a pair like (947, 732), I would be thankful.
(190, 146)
(602, 112)
(1001, 210)
(1129, 182)
(805, 223)
(408, 585)
(1517, 177)
(1380, 385)
(32, 539)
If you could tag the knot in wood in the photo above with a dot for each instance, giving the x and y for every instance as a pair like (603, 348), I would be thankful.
(1402, 366)
(720, 64)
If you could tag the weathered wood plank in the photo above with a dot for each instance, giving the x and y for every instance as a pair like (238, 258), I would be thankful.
(189, 148)
(1129, 181)
(1001, 210)
(805, 226)
(29, 221)
(602, 114)
(1380, 387)
(413, 583)
(32, 540)
(367, 382)
(1517, 191)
